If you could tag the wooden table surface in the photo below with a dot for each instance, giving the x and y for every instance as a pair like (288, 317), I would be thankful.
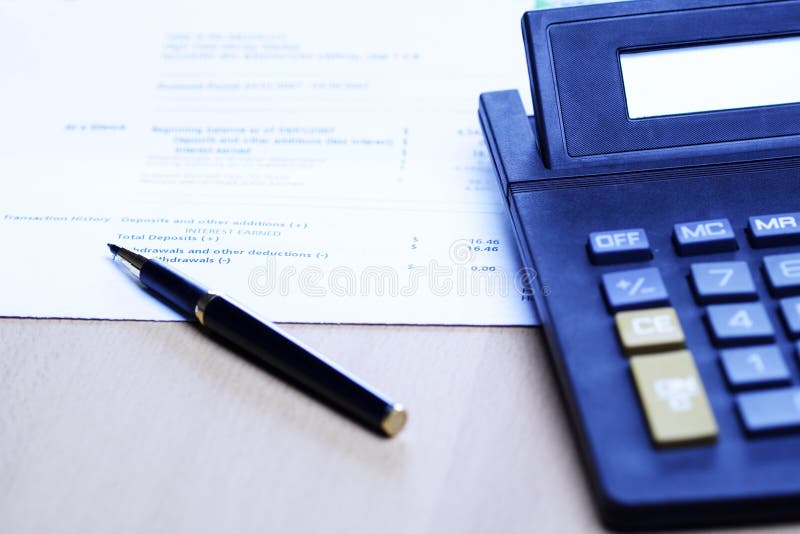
(116, 426)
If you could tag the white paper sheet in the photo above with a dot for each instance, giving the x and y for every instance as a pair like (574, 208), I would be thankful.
(318, 161)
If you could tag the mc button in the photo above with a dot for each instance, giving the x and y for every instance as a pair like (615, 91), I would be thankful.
(704, 237)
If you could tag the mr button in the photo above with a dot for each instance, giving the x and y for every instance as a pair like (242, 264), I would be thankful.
(619, 246)
(654, 330)
(774, 230)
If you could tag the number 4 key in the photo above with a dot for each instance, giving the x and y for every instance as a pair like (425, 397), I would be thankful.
(732, 324)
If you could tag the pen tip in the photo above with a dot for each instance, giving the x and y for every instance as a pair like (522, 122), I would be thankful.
(113, 248)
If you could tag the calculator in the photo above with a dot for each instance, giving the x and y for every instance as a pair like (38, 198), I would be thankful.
(655, 198)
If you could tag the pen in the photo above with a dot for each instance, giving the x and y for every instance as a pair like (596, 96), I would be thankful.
(267, 343)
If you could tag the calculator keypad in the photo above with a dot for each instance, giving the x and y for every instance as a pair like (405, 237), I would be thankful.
(670, 389)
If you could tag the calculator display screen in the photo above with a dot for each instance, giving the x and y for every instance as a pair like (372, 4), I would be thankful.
(692, 79)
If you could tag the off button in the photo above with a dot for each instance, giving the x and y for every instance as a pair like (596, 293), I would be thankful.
(618, 246)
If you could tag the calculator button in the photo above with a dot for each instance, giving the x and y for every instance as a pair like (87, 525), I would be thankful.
(634, 289)
(739, 323)
(723, 281)
(783, 274)
(754, 366)
(790, 309)
(770, 411)
(673, 398)
(653, 330)
(704, 237)
(774, 230)
(619, 246)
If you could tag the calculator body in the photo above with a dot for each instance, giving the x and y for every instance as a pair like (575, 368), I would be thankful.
(706, 192)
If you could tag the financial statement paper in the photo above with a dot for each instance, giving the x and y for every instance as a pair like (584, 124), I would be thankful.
(317, 161)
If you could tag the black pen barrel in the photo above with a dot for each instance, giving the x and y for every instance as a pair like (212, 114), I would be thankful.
(267, 344)
(274, 348)
(182, 292)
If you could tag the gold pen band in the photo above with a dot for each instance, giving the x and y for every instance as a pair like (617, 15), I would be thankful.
(202, 303)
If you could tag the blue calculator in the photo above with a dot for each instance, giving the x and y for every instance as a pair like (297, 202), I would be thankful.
(655, 194)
